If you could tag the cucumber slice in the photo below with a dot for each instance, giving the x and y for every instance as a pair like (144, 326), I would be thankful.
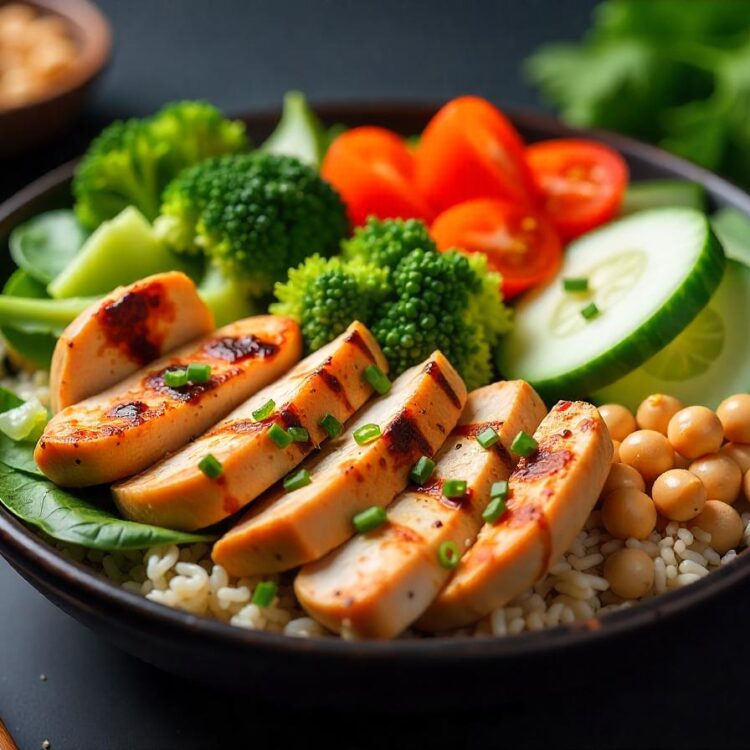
(299, 132)
(732, 227)
(707, 361)
(641, 196)
(649, 275)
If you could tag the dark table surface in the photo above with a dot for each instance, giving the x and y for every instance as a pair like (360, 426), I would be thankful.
(685, 688)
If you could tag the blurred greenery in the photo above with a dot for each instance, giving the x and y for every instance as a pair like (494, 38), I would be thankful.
(672, 72)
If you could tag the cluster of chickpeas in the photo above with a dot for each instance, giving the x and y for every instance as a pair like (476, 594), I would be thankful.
(673, 463)
(35, 51)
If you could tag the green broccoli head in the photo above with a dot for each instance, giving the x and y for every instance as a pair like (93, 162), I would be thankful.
(326, 295)
(386, 242)
(131, 162)
(256, 215)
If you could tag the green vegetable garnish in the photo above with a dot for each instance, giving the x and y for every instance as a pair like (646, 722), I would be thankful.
(299, 434)
(198, 373)
(176, 378)
(495, 508)
(211, 466)
(591, 311)
(500, 489)
(299, 479)
(370, 519)
(488, 437)
(264, 411)
(24, 422)
(576, 285)
(377, 379)
(366, 434)
(331, 425)
(264, 594)
(453, 488)
(422, 471)
(524, 445)
(449, 555)
(279, 436)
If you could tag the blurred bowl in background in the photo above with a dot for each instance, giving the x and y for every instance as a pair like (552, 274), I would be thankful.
(31, 121)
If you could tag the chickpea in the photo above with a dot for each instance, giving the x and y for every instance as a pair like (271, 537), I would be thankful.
(723, 523)
(734, 413)
(647, 451)
(695, 431)
(628, 512)
(619, 420)
(739, 453)
(622, 475)
(615, 451)
(720, 475)
(630, 573)
(679, 495)
(655, 412)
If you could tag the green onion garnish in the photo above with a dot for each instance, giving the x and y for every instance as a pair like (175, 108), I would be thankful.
(580, 284)
(331, 425)
(176, 378)
(299, 479)
(279, 436)
(377, 379)
(487, 437)
(449, 555)
(198, 372)
(299, 434)
(495, 508)
(590, 311)
(454, 488)
(499, 489)
(523, 444)
(264, 411)
(422, 470)
(366, 434)
(369, 519)
(264, 594)
(211, 466)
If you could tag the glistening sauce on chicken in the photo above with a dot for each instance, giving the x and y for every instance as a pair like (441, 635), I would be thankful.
(240, 348)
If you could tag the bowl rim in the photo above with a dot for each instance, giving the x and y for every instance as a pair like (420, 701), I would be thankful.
(39, 560)
(93, 35)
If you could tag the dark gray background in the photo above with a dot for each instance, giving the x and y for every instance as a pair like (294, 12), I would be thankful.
(689, 691)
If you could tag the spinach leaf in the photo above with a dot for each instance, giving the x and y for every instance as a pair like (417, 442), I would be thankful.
(46, 244)
(17, 455)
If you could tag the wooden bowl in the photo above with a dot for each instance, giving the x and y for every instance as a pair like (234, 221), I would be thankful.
(31, 123)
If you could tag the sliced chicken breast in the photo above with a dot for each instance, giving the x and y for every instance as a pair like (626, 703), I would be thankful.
(138, 421)
(551, 495)
(176, 494)
(286, 529)
(377, 584)
(123, 332)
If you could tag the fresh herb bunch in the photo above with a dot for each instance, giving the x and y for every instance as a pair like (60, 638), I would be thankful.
(671, 72)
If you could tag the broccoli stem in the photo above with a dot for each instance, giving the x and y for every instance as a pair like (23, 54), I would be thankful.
(41, 315)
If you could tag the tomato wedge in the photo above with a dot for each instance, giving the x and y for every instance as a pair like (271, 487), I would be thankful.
(581, 183)
(519, 242)
(471, 150)
(373, 171)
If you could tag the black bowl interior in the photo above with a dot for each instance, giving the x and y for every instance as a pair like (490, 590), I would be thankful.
(264, 663)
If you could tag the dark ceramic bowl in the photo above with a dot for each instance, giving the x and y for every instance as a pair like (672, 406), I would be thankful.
(31, 123)
(442, 672)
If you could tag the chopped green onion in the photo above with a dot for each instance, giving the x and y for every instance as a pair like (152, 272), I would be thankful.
(176, 378)
(299, 434)
(523, 444)
(198, 373)
(264, 594)
(499, 489)
(449, 555)
(590, 311)
(331, 425)
(576, 285)
(211, 466)
(297, 480)
(454, 488)
(422, 470)
(487, 437)
(377, 379)
(495, 508)
(366, 434)
(369, 519)
(264, 411)
(279, 436)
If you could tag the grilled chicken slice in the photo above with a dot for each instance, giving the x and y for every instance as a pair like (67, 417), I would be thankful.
(377, 584)
(176, 494)
(551, 495)
(125, 331)
(286, 529)
(135, 423)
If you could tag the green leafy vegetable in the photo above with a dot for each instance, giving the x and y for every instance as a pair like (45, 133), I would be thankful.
(666, 71)
(46, 244)
(17, 455)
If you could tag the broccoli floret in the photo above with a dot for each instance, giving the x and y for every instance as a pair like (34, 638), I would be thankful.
(131, 162)
(256, 215)
(326, 295)
(385, 243)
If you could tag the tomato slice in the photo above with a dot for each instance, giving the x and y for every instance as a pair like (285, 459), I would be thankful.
(374, 171)
(471, 150)
(581, 182)
(519, 242)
